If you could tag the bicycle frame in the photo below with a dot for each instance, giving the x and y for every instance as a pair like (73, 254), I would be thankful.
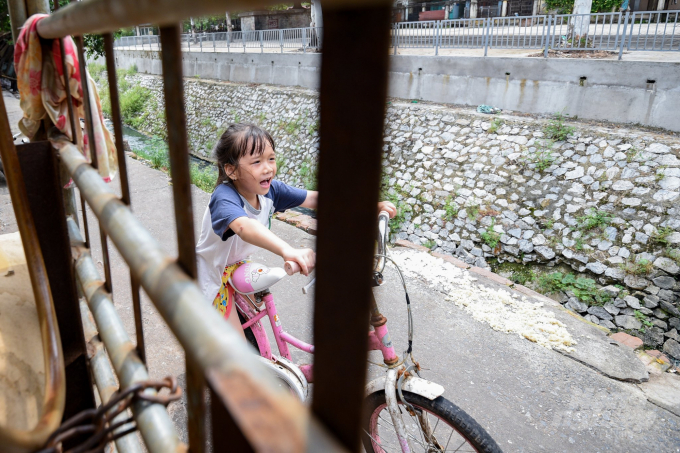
(378, 339)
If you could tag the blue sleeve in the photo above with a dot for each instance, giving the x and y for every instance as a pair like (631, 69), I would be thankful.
(285, 196)
(225, 207)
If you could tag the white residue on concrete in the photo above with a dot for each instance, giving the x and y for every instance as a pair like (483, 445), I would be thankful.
(502, 310)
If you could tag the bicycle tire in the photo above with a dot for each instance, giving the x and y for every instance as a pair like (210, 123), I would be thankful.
(443, 409)
(250, 336)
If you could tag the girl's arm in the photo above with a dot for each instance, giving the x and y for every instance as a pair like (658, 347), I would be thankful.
(253, 232)
(313, 197)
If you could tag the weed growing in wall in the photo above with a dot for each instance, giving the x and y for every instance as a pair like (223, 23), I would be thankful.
(594, 219)
(556, 129)
(495, 125)
(637, 267)
(451, 208)
(661, 235)
(542, 157)
(585, 289)
(491, 237)
(205, 179)
(308, 175)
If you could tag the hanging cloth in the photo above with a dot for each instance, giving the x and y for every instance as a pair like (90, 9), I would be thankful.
(40, 79)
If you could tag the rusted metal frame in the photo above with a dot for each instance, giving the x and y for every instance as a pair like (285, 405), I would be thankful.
(104, 375)
(153, 420)
(116, 117)
(173, 92)
(52, 406)
(89, 128)
(352, 111)
(17, 16)
(43, 186)
(254, 399)
(69, 193)
(105, 16)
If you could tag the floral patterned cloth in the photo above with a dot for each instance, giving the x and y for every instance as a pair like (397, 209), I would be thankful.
(224, 299)
(40, 78)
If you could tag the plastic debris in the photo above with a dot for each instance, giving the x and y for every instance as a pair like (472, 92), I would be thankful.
(488, 109)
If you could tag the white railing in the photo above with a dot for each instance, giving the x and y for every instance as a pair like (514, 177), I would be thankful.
(294, 39)
(614, 32)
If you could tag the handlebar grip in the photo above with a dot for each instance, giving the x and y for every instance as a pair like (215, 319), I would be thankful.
(291, 267)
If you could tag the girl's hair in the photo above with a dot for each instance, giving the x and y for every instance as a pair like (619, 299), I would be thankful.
(237, 141)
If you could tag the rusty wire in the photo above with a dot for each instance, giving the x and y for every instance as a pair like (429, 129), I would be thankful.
(97, 422)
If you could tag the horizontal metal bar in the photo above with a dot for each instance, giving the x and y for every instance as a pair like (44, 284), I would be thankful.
(105, 16)
(105, 378)
(153, 420)
(270, 418)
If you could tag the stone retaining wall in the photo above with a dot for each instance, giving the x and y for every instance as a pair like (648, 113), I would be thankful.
(494, 189)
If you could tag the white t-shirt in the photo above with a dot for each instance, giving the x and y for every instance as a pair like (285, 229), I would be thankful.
(218, 245)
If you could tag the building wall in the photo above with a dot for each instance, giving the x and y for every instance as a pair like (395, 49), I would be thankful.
(271, 20)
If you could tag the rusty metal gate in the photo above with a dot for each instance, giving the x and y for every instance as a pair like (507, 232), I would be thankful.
(251, 412)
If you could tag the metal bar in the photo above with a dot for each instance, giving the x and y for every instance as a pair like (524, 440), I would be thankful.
(254, 398)
(105, 378)
(52, 405)
(623, 36)
(17, 15)
(547, 39)
(116, 117)
(352, 98)
(153, 420)
(184, 219)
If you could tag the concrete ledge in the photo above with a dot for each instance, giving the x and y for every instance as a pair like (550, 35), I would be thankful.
(618, 91)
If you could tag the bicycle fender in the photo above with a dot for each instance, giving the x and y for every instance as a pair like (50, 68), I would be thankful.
(428, 389)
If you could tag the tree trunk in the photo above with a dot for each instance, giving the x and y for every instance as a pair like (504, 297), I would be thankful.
(578, 25)
(317, 18)
(193, 26)
(230, 27)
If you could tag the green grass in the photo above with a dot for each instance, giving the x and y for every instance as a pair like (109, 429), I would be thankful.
(594, 219)
(495, 125)
(632, 154)
(132, 103)
(430, 244)
(523, 276)
(583, 288)
(281, 163)
(261, 117)
(556, 129)
(490, 236)
(308, 175)
(542, 157)
(205, 179)
(313, 127)
(639, 267)
(451, 208)
(643, 319)
(661, 235)
(472, 212)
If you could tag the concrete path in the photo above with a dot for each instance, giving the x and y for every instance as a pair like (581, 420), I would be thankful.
(528, 397)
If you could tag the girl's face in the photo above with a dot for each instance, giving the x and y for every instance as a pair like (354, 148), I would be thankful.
(255, 173)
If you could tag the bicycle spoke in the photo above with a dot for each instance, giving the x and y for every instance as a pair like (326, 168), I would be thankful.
(447, 442)
(458, 449)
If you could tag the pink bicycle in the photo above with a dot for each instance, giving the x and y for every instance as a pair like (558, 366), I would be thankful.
(403, 411)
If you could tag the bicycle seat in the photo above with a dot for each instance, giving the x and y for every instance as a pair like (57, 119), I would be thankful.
(255, 277)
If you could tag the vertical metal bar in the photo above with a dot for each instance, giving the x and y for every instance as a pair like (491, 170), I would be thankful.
(93, 152)
(487, 23)
(396, 37)
(261, 41)
(547, 39)
(181, 189)
(352, 98)
(304, 41)
(436, 37)
(281, 39)
(213, 38)
(618, 29)
(124, 180)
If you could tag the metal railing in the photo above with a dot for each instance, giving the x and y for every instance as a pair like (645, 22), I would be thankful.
(613, 32)
(294, 39)
(248, 411)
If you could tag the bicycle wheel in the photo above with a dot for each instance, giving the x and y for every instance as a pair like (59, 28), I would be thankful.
(451, 429)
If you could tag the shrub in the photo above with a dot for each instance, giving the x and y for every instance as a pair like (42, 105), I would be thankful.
(491, 237)
(473, 212)
(594, 219)
(451, 208)
(132, 104)
(430, 244)
(205, 179)
(556, 129)
(542, 158)
(495, 125)
(661, 235)
(637, 267)
(583, 288)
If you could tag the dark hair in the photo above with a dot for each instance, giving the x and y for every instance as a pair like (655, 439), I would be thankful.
(237, 141)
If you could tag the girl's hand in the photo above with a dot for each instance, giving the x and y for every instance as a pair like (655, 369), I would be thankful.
(306, 258)
(388, 207)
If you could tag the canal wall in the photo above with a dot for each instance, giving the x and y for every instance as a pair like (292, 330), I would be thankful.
(639, 92)
(496, 190)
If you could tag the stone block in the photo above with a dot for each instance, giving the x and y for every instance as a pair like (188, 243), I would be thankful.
(627, 340)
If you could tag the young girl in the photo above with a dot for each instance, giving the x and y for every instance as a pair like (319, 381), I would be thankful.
(238, 217)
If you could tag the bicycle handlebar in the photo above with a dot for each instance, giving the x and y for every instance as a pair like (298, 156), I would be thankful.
(291, 267)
